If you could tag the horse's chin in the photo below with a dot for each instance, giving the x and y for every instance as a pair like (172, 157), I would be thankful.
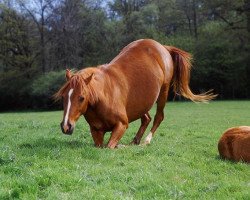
(70, 132)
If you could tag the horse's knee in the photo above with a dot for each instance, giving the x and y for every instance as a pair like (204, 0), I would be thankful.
(146, 120)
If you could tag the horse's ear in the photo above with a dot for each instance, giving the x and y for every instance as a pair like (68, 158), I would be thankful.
(87, 80)
(68, 74)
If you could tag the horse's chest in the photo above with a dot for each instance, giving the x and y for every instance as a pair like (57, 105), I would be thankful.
(97, 123)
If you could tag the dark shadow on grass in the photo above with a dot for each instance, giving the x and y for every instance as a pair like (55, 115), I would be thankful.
(52, 144)
(218, 157)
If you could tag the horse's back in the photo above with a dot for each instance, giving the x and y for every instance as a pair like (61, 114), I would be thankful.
(235, 144)
(147, 55)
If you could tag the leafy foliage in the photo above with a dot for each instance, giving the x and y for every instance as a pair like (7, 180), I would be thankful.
(48, 84)
(45, 86)
(54, 35)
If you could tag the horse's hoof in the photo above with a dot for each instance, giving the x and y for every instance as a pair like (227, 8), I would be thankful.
(133, 143)
(119, 146)
(145, 143)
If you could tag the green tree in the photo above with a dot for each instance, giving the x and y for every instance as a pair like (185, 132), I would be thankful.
(39, 11)
(139, 19)
(17, 60)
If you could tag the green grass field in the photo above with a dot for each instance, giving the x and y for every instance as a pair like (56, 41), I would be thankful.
(38, 162)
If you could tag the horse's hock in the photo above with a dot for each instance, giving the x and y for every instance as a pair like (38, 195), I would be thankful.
(234, 144)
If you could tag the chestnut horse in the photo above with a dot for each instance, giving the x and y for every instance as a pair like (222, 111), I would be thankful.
(235, 144)
(112, 95)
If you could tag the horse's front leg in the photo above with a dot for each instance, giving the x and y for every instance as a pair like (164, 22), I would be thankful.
(117, 134)
(97, 136)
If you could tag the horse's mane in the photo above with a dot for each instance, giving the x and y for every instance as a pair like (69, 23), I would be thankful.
(79, 79)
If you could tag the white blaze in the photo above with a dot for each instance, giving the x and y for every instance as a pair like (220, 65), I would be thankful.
(68, 107)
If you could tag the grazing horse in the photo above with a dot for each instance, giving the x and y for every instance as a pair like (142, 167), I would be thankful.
(235, 144)
(112, 95)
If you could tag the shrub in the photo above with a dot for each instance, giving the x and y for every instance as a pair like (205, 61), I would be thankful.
(44, 87)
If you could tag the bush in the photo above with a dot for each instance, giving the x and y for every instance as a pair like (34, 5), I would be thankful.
(44, 87)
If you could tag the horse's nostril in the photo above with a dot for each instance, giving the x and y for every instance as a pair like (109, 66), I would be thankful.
(69, 126)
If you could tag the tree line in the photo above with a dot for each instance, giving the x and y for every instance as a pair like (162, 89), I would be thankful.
(39, 39)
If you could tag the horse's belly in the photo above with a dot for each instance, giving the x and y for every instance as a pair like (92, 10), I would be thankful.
(141, 102)
(137, 114)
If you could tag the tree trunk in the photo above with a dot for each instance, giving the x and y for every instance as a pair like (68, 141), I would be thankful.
(42, 43)
(188, 18)
(247, 8)
(195, 20)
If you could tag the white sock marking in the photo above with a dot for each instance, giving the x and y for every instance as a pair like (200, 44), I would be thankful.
(148, 138)
(68, 107)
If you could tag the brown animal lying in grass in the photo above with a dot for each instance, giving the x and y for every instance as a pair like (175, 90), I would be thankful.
(235, 144)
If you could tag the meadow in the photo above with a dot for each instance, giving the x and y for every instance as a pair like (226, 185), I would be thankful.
(38, 162)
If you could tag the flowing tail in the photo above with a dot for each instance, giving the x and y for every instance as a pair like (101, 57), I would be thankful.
(181, 78)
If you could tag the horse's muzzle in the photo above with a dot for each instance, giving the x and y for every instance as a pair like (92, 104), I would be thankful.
(68, 129)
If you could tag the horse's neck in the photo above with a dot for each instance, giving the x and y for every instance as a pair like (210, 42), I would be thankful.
(104, 81)
(94, 114)
(105, 87)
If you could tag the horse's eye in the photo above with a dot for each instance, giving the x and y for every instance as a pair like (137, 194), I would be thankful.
(81, 98)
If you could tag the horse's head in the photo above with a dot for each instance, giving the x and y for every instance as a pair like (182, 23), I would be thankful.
(76, 97)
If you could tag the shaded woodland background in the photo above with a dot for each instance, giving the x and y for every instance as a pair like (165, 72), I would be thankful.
(39, 39)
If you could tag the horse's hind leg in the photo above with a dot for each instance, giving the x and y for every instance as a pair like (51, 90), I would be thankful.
(161, 102)
(145, 120)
